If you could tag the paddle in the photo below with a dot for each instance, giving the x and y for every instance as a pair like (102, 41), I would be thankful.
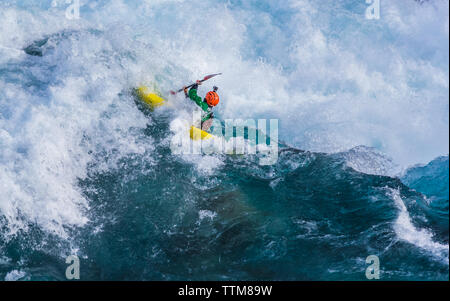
(204, 79)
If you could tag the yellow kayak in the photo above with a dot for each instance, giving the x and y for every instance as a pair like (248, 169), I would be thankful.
(150, 97)
(154, 100)
(197, 134)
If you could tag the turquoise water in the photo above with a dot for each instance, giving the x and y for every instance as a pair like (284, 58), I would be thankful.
(430, 179)
(85, 170)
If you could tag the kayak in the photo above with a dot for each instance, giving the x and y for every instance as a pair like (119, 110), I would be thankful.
(197, 134)
(154, 100)
(150, 97)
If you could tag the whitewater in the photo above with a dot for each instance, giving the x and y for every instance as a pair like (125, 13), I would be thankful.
(363, 120)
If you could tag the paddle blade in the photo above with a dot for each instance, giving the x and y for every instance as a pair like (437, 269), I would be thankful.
(210, 76)
(204, 79)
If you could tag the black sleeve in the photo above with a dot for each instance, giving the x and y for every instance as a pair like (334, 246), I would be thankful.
(195, 86)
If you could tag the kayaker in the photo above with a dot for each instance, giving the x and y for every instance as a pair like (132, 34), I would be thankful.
(211, 100)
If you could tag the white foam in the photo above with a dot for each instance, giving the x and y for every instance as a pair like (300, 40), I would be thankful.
(318, 71)
(15, 275)
(421, 238)
(370, 161)
(208, 214)
(48, 137)
(334, 79)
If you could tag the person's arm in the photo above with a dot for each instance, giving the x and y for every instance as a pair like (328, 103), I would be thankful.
(197, 99)
(194, 86)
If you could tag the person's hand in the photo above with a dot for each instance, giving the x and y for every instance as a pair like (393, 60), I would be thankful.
(198, 82)
(185, 89)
